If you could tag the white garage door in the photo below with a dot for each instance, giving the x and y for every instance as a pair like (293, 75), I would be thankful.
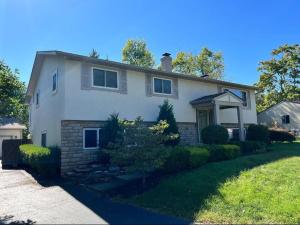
(1, 139)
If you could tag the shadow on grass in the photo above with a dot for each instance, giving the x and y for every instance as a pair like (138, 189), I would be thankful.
(184, 194)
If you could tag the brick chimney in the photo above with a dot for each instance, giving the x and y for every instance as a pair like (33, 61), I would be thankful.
(166, 62)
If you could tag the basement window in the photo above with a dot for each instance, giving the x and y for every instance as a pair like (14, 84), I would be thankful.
(91, 138)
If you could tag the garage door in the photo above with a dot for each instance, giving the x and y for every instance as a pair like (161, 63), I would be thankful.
(1, 139)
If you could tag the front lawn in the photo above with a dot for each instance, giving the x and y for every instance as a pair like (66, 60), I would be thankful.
(263, 188)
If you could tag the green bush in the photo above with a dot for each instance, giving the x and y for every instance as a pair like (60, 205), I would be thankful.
(177, 160)
(223, 152)
(45, 161)
(250, 147)
(198, 156)
(214, 134)
(281, 135)
(257, 133)
(166, 114)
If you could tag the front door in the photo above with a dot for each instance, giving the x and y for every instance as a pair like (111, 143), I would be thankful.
(202, 120)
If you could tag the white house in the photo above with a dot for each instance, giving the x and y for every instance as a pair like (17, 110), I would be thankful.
(71, 96)
(285, 114)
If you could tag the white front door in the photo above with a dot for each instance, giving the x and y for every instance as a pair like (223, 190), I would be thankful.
(1, 140)
(202, 120)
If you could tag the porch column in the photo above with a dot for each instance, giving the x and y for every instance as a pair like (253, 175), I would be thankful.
(216, 114)
(241, 123)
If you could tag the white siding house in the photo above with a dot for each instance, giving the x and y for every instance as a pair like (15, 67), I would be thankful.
(69, 94)
(285, 115)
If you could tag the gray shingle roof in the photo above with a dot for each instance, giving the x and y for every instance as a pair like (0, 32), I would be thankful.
(205, 99)
(10, 123)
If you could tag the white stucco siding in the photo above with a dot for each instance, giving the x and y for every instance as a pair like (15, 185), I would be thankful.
(98, 104)
(274, 115)
(46, 117)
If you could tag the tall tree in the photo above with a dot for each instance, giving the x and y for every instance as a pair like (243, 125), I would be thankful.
(136, 52)
(12, 94)
(280, 77)
(94, 54)
(206, 62)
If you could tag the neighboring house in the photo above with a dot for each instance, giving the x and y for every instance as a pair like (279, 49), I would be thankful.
(71, 96)
(285, 115)
(10, 129)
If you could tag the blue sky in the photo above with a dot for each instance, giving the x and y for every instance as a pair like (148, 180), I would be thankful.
(244, 31)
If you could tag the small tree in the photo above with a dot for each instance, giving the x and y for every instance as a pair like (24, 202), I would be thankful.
(166, 114)
(141, 149)
(94, 54)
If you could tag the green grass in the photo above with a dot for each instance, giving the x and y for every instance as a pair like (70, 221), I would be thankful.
(262, 188)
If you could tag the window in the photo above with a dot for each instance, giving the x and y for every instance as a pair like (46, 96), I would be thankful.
(91, 138)
(37, 98)
(241, 94)
(285, 119)
(54, 82)
(44, 139)
(162, 86)
(105, 78)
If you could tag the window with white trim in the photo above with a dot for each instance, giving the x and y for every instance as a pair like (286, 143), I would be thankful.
(105, 78)
(241, 94)
(91, 139)
(44, 139)
(54, 82)
(162, 86)
(37, 101)
(285, 119)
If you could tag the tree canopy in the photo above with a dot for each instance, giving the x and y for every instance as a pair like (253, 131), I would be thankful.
(135, 52)
(12, 94)
(206, 62)
(94, 54)
(280, 77)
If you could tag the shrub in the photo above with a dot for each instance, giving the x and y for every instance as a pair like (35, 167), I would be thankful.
(281, 135)
(223, 152)
(177, 160)
(214, 134)
(249, 147)
(112, 131)
(104, 158)
(198, 156)
(257, 133)
(166, 114)
(45, 161)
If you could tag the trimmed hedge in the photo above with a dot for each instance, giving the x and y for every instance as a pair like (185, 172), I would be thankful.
(250, 147)
(281, 135)
(257, 133)
(223, 152)
(214, 134)
(198, 156)
(178, 160)
(45, 161)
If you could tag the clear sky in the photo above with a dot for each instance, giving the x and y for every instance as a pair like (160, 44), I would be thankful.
(245, 31)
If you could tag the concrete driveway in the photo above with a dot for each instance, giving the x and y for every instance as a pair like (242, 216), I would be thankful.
(24, 200)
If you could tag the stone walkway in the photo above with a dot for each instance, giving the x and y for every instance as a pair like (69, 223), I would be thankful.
(24, 200)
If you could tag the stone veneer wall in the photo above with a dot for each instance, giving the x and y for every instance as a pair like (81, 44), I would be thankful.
(73, 154)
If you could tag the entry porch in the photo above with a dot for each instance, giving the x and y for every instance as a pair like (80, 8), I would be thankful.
(208, 110)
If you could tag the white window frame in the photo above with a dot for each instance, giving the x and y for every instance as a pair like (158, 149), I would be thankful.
(98, 140)
(247, 95)
(43, 132)
(56, 79)
(153, 86)
(97, 86)
(38, 98)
